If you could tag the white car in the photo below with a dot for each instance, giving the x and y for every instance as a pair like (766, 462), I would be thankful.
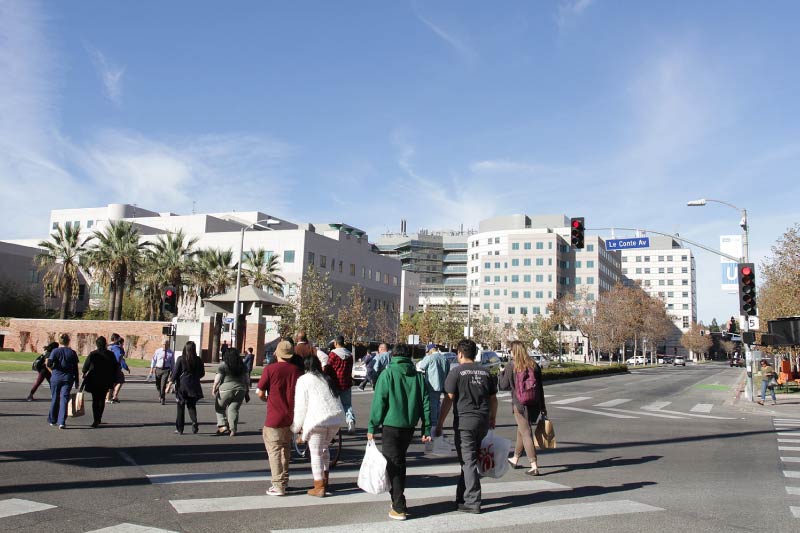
(638, 360)
(679, 360)
(540, 359)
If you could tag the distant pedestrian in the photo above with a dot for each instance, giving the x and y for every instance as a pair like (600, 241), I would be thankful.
(400, 402)
(523, 377)
(162, 363)
(42, 372)
(230, 390)
(767, 374)
(276, 388)
(318, 415)
(63, 363)
(369, 374)
(118, 349)
(436, 367)
(340, 369)
(99, 375)
(302, 348)
(249, 360)
(472, 393)
(186, 376)
(381, 361)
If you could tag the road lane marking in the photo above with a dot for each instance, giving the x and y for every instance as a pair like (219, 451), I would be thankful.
(646, 413)
(229, 477)
(795, 511)
(702, 408)
(787, 420)
(249, 503)
(790, 459)
(788, 434)
(518, 517)
(794, 491)
(788, 441)
(601, 413)
(15, 506)
(613, 403)
(794, 474)
(655, 406)
(571, 400)
(789, 448)
(693, 415)
(130, 528)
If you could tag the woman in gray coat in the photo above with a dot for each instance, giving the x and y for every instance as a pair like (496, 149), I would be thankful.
(230, 389)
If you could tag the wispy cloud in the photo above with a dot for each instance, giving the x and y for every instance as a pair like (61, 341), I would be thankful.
(568, 10)
(465, 52)
(110, 74)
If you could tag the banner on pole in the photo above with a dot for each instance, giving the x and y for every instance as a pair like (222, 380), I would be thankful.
(731, 245)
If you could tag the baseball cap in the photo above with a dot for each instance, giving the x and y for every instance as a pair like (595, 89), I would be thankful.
(430, 346)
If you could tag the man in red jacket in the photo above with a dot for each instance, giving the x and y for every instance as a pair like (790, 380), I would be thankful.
(276, 387)
(340, 369)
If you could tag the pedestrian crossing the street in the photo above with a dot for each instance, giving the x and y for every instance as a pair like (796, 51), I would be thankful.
(790, 457)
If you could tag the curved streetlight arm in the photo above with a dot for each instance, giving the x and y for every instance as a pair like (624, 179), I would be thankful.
(677, 238)
(236, 302)
(742, 224)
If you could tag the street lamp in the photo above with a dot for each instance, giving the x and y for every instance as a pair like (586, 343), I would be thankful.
(266, 221)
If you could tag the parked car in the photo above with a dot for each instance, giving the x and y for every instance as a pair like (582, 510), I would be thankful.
(638, 360)
(679, 360)
(667, 359)
(359, 371)
(540, 359)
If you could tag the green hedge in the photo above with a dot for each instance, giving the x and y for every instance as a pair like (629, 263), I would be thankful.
(550, 374)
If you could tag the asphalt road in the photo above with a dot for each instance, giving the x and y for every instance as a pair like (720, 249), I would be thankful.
(664, 450)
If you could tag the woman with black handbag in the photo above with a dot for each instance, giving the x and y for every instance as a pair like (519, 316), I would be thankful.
(185, 378)
(99, 375)
(43, 373)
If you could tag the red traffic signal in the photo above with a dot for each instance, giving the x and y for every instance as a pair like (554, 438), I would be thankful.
(169, 293)
(577, 232)
(747, 289)
(170, 300)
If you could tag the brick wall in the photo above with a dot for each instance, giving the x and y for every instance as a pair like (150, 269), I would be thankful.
(141, 338)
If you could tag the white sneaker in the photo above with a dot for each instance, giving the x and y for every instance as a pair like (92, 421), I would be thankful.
(274, 491)
(351, 427)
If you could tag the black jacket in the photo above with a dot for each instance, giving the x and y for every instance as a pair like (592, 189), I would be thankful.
(187, 381)
(100, 371)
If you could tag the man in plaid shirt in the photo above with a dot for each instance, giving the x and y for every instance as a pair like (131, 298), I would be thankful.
(340, 369)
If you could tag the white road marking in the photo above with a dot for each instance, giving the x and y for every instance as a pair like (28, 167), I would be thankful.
(612, 403)
(571, 400)
(795, 511)
(130, 528)
(693, 415)
(789, 448)
(702, 408)
(249, 503)
(15, 506)
(655, 406)
(794, 491)
(787, 420)
(789, 441)
(601, 413)
(517, 517)
(788, 434)
(228, 477)
(504, 394)
(794, 474)
(646, 413)
(790, 459)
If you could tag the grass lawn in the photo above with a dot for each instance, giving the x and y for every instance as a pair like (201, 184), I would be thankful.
(9, 359)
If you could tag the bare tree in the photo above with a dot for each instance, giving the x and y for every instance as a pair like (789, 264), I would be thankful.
(353, 319)
(695, 340)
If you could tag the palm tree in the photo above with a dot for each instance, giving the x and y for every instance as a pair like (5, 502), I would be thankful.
(61, 259)
(213, 273)
(115, 257)
(263, 271)
(168, 262)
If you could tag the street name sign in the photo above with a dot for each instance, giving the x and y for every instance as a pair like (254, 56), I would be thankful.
(627, 244)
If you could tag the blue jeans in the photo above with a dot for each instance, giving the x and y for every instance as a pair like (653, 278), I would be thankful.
(764, 391)
(60, 385)
(436, 402)
(347, 403)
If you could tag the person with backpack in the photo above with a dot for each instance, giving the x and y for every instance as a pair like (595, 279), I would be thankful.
(523, 377)
(40, 366)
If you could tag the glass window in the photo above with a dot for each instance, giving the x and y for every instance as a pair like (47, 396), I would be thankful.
(661, 282)
(684, 282)
(363, 272)
(515, 246)
(497, 264)
(646, 270)
(323, 261)
(487, 265)
(487, 279)
(670, 282)
(497, 306)
(540, 294)
(515, 262)
(660, 270)
(527, 246)
(625, 271)
(489, 241)
(638, 270)
(378, 276)
(526, 294)
(577, 281)
(590, 247)
(684, 270)
(590, 280)
(536, 311)
(487, 292)
(55, 225)
(539, 261)
(549, 261)
(539, 278)
(526, 278)
(353, 270)
(686, 306)
(76, 224)
(577, 264)
(288, 256)
(311, 258)
(90, 223)
(685, 294)
(660, 257)
(526, 262)
(647, 259)
(540, 246)
(669, 258)
(515, 294)
(497, 292)
(523, 310)
(549, 245)
(686, 322)
(511, 311)
(514, 278)
(683, 257)
(669, 294)
(497, 279)
(624, 259)
(670, 270)
(638, 259)
(68, 225)
(486, 306)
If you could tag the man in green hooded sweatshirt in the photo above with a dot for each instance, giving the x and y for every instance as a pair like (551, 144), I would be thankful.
(401, 400)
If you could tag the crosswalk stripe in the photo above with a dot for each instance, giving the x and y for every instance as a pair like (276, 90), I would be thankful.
(228, 477)
(794, 474)
(646, 413)
(590, 411)
(790, 459)
(612, 403)
(795, 511)
(15, 506)
(788, 441)
(702, 408)
(794, 491)
(130, 528)
(249, 503)
(788, 424)
(789, 448)
(503, 394)
(693, 415)
(793, 433)
(787, 420)
(518, 517)
(571, 400)
(655, 406)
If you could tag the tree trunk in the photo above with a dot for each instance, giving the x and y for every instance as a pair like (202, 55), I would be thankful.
(216, 337)
(65, 298)
(112, 294)
(118, 298)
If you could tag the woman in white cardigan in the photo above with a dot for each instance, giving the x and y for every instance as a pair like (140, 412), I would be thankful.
(318, 415)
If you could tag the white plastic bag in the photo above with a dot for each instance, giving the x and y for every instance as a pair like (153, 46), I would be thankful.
(493, 456)
(443, 447)
(372, 477)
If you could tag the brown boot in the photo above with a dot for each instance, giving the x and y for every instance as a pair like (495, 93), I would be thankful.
(319, 489)
(325, 479)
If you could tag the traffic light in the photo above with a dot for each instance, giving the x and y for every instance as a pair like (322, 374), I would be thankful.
(170, 299)
(576, 235)
(747, 289)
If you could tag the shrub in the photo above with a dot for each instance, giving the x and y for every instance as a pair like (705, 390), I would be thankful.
(551, 374)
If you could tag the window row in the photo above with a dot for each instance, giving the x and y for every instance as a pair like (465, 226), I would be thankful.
(366, 273)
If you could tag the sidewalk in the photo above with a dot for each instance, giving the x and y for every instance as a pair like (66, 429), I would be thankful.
(788, 403)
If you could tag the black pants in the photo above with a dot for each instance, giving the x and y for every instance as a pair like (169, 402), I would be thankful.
(98, 405)
(162, 377)
(395, 446)
(191, 405)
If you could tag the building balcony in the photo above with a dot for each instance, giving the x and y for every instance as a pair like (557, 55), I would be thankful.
(454, 258)
(452, 269)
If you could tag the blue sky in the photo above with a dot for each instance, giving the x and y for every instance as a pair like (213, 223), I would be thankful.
(439, 112)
